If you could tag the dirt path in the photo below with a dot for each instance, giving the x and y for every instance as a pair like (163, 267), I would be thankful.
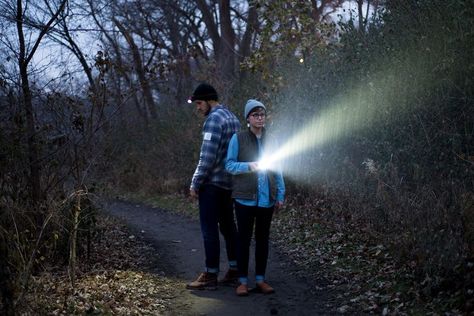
(179, 247)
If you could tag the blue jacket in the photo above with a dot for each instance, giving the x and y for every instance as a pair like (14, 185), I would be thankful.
(263, 196)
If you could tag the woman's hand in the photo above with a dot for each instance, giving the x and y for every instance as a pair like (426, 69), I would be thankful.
(278, 205)
(253, 166)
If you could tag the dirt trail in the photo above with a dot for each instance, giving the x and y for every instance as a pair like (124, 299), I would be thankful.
(179, 247)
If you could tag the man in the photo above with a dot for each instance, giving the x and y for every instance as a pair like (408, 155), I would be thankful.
(211, 185)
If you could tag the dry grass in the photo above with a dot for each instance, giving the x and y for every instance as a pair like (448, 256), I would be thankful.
(117, 279)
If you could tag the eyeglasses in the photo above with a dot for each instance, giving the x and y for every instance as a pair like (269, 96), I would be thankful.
(258, 115)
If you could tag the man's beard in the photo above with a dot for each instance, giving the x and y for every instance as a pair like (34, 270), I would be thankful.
(208, 109)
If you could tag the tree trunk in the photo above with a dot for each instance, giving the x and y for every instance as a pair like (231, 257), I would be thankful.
(34, 178)
(223, 44)
(7, 308)
(23, 60)
(73, 239)
(137, 60)
(246, 48)
(119, 65)
(226, 60)
(82, 60)
(251, 28)
(361, 15)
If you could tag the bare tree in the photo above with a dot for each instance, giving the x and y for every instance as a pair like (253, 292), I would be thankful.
(137, 60)
(364, 17)
(228, 47)
(26, 51)
(62, 35)
(167, 43)
(119, 72)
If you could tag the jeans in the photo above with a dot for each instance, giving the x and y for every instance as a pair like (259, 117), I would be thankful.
(247, 216)
(216, 213)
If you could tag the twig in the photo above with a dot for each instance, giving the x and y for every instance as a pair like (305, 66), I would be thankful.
(26, 273)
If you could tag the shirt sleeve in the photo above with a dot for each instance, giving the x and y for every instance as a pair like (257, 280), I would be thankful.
(280, 186)
(231, 164)
(211, 137)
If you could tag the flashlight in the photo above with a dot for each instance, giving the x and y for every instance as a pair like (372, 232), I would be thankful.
(264, 163)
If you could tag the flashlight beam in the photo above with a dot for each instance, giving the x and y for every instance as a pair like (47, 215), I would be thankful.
(372, 101)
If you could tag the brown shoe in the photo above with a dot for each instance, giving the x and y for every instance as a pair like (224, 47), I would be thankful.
(205, 281)
(230, 278)
(242, 290)
(264, 288)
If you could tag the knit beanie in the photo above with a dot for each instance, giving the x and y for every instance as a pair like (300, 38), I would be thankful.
(252, 104)
(204, 92)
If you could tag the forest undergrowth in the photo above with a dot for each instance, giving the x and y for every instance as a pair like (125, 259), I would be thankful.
(345, 257)
(117, 279)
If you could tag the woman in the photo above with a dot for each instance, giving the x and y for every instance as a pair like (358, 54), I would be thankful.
(256, 193)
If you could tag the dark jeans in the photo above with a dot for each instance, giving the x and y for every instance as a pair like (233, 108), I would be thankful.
(246, 217)
(216, 213)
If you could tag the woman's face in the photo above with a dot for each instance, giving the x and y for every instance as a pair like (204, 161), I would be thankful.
(257, 118)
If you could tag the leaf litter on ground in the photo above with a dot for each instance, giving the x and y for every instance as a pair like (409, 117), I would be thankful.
(116, 279)
(364, 271)
(366, 276)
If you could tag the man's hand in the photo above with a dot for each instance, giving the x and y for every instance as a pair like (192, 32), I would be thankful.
(193, 193)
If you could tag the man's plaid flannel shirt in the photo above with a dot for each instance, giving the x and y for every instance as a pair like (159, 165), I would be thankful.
(218, 129)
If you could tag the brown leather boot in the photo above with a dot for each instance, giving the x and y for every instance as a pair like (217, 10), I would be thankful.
(264, 288)
(242, 290)
(205, 281)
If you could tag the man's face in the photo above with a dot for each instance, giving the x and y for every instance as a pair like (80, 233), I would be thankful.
(202, 107)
